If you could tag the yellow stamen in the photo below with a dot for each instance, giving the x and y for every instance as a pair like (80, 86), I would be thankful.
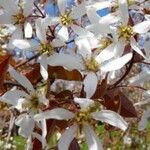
(126, 32)
(91, 64)
(47, 48)
(19, 18)
(66, 19)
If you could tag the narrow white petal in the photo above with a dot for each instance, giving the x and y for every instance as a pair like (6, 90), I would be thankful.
(83, 102)
(116, 63)
(5, 19)
(50, 21)
(123, 11)
(144, 120)
(27, 126)
(135, 47)
(27, 7)
(57, 42)
(147, 49)
(69, 61)
(78, 11)
(142, 27)
(57, 113)
(22, 44)
(119, 48)
(12, 97)
(106, 54)
(111, 118)
(92, 15)
(44, 132)
(90, 84)
(82, 32)
(28, 30)
(62, 5)
(21, 79)
(92, 139)
(17, 34)
(84, 47)
(40, 30)
(43, 66)
(63, 33)
(102, 4)
(67, 137)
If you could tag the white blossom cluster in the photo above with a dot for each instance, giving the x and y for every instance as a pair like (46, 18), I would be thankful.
(76, 38)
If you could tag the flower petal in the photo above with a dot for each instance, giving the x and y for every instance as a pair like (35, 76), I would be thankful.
(78, 11)
(26, 126)
(116, 63)
(82, 32)
(90, 84)
(67, 137)
(12, 97)
(123, 11)
(92, 15)
(83, 102)
(142, 27)
(84, 47)
(21, 79)
(92, 139)
(144, 120)
(43, 66)
(106, 54)
(27, 7)
(40, 30)
(63, 33)
(69, 61)
(135, 47)
(57, 113)
(111, 118)
(28, 30)
(62, 4)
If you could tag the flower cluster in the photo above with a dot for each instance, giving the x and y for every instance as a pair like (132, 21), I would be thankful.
(88, 52)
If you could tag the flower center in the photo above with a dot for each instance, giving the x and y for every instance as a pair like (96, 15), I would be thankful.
(104, 42)
(126, 32)
(19, 18)
(46, 48)
(33, 103)
(91, 64)
(82, 117)
(66, 19)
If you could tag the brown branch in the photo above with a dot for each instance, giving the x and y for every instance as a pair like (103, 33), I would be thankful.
(129, 86)
(26, 61)
(125, 74)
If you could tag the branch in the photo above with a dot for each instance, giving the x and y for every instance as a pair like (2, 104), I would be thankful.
(125, 74)
(26, 61)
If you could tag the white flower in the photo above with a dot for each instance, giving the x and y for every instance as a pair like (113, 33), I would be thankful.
(29, 102)
(82, 118)
(125, 33)
(17, 15)
(44, 46)
(66, 20)
(89, 64)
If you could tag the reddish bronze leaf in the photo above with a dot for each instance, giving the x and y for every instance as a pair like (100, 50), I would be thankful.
(4, 62)
(59, 72)
(101, 89)
(33, 73)
(74, 145)
(115, 100)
